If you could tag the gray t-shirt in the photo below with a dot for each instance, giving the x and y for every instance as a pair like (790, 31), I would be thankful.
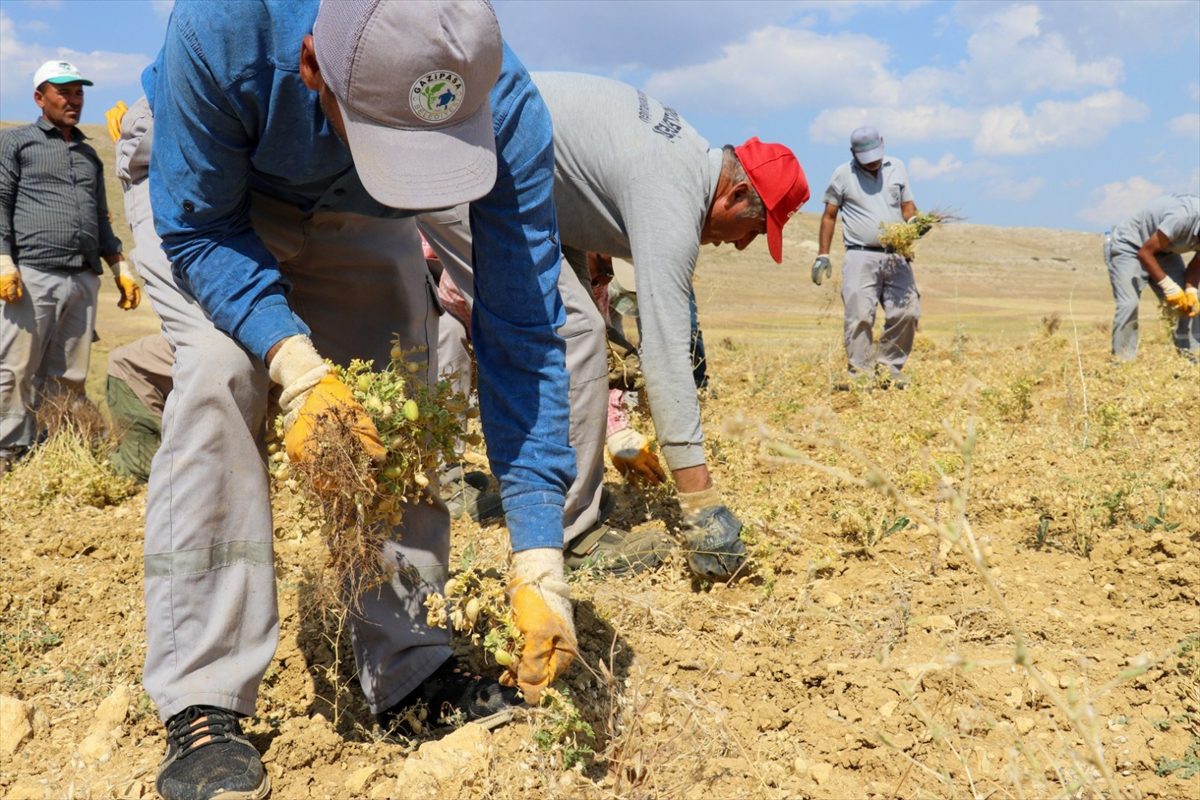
(867, 200)
(634, 180)
(1176, 215)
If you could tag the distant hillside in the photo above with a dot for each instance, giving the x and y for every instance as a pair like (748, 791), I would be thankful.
(984, 279)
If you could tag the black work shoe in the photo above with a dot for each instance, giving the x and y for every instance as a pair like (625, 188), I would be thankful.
(451, 695)
(471, 495)
(618, 551)
(209, 758)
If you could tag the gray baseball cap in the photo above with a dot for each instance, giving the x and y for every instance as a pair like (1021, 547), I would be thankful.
(866, 144)
(412, 81)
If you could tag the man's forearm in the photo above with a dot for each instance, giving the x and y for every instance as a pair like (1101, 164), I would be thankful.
(692, 479)
(1192, 276)
(7, 239)
(825, 237)
(521, 366)
(109, 241)
(674, 404)
(237, 283)
(1150, 263)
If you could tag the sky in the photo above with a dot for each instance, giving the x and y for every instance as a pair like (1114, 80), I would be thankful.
(1070, 114)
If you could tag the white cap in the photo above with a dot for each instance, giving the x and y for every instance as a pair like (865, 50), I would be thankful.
(412, 80)
(58, 72)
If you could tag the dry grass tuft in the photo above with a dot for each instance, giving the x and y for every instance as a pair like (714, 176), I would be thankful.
(71, 466)
(64, 408)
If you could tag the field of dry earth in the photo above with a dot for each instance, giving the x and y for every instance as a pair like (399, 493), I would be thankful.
(985, 586)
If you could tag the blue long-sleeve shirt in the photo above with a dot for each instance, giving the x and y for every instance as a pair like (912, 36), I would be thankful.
(231, 117)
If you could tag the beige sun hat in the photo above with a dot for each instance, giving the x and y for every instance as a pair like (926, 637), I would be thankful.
(412, 81)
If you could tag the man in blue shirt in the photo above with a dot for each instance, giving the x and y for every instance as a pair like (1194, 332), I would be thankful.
(280, 158)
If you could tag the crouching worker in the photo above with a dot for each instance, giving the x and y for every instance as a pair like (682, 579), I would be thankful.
(283, 167)
(1148, 249)
(636, 181)
(139, 380)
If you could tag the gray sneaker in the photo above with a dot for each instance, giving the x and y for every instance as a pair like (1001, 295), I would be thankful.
(473, 496)
(618, 551)
(209, 758)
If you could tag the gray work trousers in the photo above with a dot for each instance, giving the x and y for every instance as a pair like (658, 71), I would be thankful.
(45, 345)
(212, 621)
(868, 280)
(449, 234)
(1128, 279)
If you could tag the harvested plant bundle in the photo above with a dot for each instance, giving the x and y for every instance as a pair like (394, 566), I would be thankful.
(474, 603)
(358, 501)
(901, 236)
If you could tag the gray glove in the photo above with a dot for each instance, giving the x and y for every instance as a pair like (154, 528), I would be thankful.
(822, 264)
(715, 550)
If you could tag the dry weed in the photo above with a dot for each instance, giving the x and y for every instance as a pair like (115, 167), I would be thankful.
(71, 466)
(63, 407)
(1057, 750)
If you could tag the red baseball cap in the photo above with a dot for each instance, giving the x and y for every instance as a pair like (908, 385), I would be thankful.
(779, 180)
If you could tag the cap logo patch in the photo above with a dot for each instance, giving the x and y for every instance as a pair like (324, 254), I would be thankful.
(437, 96)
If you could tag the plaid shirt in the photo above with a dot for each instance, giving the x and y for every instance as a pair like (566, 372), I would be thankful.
(53, 209)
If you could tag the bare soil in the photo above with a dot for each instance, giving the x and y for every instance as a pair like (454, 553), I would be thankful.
(983, 586)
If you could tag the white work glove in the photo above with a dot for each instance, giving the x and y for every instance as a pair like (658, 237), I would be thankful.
(1193, 301)
(541, 603)
(129, 284)
(10, 280)
(631, 455)
(310, 391)
(821, 265)
(1173, 295)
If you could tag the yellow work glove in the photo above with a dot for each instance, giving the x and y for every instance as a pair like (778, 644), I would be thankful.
(630, 454)
(1174, 296)
(310, 392)
(113, 117)
(10, 280)
(541, 603)
(129, 284)
(1193, 301)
